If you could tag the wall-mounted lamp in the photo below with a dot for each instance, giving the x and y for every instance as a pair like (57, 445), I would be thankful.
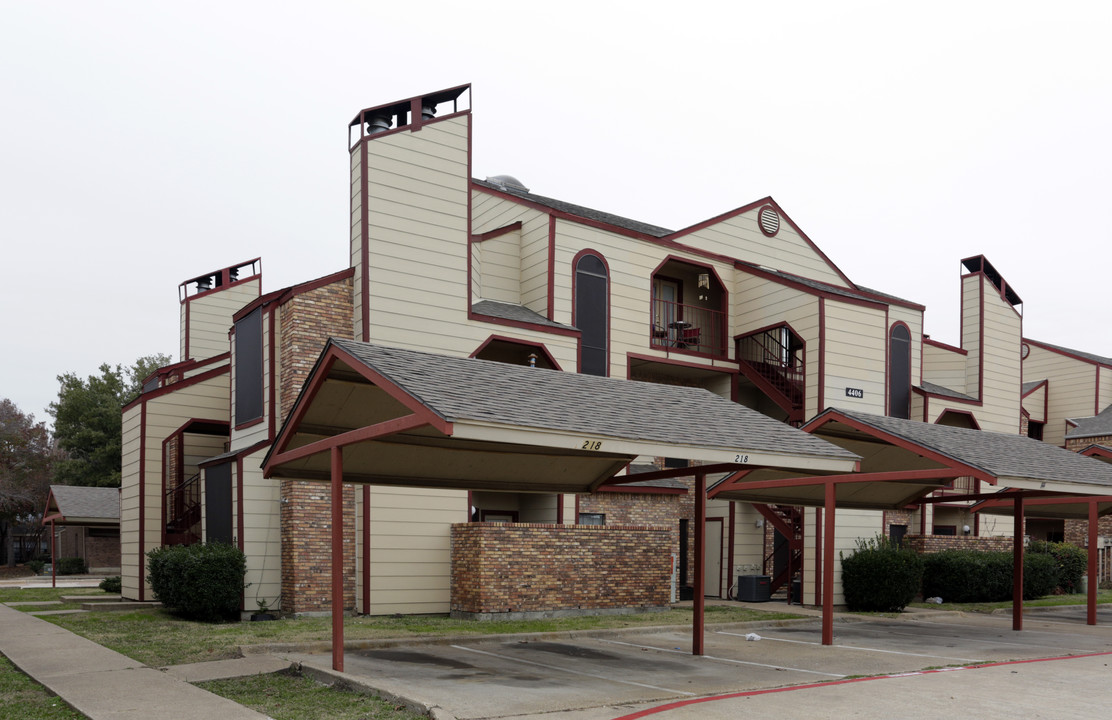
(965, 529)
(760, 523)
(704, 286)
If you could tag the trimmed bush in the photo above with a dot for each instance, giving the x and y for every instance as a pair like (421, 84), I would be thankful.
(1072, 562)
(36, 566)
(71, 566)
(111, 584)
(963, 576)
(202, 582)
(880, 577)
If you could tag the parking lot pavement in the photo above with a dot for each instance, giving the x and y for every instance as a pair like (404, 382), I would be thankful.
(607, 676)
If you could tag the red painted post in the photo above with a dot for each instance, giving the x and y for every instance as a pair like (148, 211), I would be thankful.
(1091, 614)
(829, 501)
(53, 560)
(337, 559)
(698, 601)
(818, 558)
(1017, 566)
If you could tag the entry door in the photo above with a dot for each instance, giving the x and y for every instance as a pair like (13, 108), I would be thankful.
(712, 563)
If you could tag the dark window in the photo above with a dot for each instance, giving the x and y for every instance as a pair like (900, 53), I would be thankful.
(671, 463)
(218, 503)
(899, 373)
(249, 367)
(591, 295)
(896, 534)
(592, 518)
(1035, 430)
(944, 530)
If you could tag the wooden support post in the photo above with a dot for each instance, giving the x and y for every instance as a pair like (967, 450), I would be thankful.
(1017, 566)
(53, 560)
(1091, 602)
(698, 601)
(828, 567)
(818, 558)
(338, 559)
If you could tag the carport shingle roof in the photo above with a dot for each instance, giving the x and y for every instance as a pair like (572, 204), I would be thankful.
(75, 501)
(999, 454)
(480, 390)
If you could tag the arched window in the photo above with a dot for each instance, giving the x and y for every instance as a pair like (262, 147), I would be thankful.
(899, 372)
(590, 314)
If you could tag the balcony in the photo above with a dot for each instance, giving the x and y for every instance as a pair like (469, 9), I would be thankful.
(688, 328)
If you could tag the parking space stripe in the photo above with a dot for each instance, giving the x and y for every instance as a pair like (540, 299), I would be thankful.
(510, 658)
(856, 647)
(729, 660)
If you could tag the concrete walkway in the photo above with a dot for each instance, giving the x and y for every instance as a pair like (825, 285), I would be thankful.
(105, 685)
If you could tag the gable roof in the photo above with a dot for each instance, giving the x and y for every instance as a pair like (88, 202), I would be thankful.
(942, 391)
(1079, 354)
(76, 504)
(404, 417)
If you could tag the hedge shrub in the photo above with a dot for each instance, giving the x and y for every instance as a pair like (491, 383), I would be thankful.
(202, 582)
(976, 576)
(71, 566)
(880, 577)
(1072, 561)
(111, 584)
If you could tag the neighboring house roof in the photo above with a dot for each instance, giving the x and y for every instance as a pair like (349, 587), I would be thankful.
(517, 313)
(479, 390)
(1002, 455)
(1094, 426)
(577, 210)
(77, 504)
(1091, 357)
(936, 389)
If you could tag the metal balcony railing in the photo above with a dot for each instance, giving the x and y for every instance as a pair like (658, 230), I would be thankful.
(689, 328)
(776, 355)
(183, 513)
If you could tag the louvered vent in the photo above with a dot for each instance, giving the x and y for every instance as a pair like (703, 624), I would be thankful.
(769, 220)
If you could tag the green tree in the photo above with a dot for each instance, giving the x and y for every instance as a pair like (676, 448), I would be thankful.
(87, 421)
(26, 457)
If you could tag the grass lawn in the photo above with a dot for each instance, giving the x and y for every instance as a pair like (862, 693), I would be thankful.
(284, 696)
(21, 698)
(1103, 597)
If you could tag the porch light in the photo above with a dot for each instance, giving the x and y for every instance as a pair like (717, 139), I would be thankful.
(965, 529)
(704, 284)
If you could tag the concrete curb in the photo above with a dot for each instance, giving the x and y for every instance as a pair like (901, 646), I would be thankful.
(354, 683)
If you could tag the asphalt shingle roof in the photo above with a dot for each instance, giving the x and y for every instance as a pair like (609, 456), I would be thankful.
(1100, 359)
(1029, 386)
(510, 311)
(579, 210)
(936, 389)
(76, 501)
(999, 454)
(1093, 426)
(480, 390)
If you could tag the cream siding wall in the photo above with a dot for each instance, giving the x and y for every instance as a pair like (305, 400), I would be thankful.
(944, 367)
(757, 302)
(1035, 405)
(914, 321)
(971, 289)
(740, 237)
(1104, 396)
(129, 502)
(210, 318)
(409, 549)
(1072, 385)
(720, 509)
(849, 526)
(261, 533)
(748, 542)
(356, 242)
(856, 342)
(489, 212)
(165, 414)
(198, 449)
(499, 260)
(1001, 392)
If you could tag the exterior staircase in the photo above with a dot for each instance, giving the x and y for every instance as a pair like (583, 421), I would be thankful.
(772, 359)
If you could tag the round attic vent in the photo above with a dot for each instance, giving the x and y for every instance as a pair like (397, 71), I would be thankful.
(769, 220)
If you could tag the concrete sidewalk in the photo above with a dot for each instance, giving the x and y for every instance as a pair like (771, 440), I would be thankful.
(105, 685)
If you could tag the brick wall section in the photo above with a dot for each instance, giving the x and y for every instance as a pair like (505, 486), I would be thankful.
(925, 544)
(305, 322)
(536, 568)
(1077, 531)
(103, 552)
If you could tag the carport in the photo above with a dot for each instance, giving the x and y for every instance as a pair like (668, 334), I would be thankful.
(903, 461)
(374, 415)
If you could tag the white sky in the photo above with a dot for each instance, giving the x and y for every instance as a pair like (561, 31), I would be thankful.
(142, 145)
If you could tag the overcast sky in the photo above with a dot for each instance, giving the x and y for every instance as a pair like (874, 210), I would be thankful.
(142, 144)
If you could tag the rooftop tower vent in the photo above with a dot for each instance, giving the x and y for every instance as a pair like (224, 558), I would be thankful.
(507, 182)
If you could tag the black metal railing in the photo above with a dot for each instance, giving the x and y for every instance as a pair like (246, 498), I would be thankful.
(689, 328)
(776, 355)
(183, 513)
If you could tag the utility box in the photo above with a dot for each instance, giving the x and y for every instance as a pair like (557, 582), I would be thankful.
(754, 588)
